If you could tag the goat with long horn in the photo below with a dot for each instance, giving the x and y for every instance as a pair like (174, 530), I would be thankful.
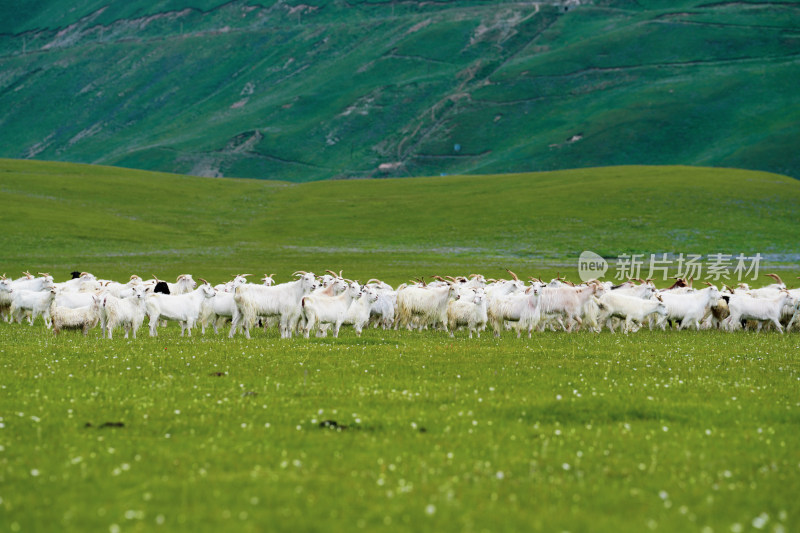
(776, 278)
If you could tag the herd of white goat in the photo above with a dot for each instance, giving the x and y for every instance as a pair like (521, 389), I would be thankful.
(316, 304)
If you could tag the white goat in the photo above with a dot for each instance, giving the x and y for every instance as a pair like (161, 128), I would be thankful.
(518, 308)
(74, 284)
(222, 307)
(126, 312)
(32, 303)
(469, 311)
(426, 305)
(6, 295)
(281, 300)
(564, 302)
(632, 309)
(746, 307)
(358, 314)
(83, 318)
(382, 311)
(123, 290)
(325, 309)
(688, 308)
(182, 308)
(31, 283)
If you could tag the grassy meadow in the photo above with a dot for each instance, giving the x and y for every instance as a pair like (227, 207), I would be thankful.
(676, 431)
(115, 222)
(664, 431)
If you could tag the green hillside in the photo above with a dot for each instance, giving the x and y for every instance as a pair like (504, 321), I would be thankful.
(307, 91)
(59, 217)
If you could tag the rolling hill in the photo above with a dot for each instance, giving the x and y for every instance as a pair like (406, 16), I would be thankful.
(299, 92)
(60, 217)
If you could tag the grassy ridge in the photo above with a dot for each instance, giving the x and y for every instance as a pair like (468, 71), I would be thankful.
(312, 92)
(61, 217)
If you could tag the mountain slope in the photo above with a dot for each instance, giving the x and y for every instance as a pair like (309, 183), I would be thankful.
(297, 92)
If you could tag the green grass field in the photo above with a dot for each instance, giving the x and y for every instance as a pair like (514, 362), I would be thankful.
(677, 431)
(674, 431)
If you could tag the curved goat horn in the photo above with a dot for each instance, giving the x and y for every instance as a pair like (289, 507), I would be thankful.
(204, 281)
(332, 273)
(299, 273)
(512, 275)
(776, 278)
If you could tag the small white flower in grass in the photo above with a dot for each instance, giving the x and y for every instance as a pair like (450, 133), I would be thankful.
(35, 472)
(663, 495)
(760, 521)
(160, 519)
(430, 510)
(566, 466)
(736, 528)
(177, 411)
(664, 429)
(113, 528)
(558, 397)
(500, 474)
(708, 432)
